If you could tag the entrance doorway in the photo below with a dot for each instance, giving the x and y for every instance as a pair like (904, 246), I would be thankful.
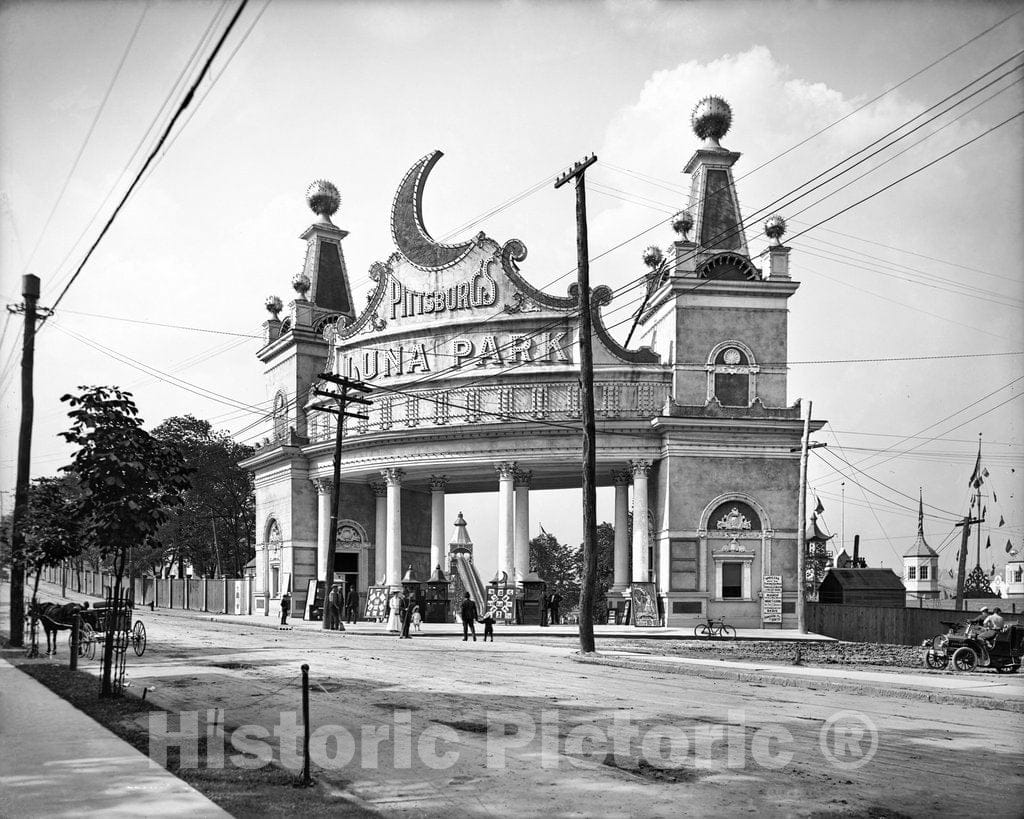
(346, 569)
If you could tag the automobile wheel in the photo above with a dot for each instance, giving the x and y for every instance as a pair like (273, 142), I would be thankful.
(701, 631)
(965, 659)
(935, 660)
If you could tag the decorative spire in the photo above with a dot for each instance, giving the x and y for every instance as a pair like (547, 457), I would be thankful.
(920, 547)
(920, 513)
(323, 279)
(323, 199)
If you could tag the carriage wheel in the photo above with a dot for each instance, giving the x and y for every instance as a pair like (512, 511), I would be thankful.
(936, 660)
(965, 659)
(702, 630)
(139, 638)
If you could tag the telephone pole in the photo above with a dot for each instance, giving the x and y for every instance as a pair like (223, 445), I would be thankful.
(589, 579)
(961, 570)
(801, 529)
(30, 292)
(344, 398)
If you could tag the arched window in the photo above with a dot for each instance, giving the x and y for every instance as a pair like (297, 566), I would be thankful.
(732, 375)
(730, 524)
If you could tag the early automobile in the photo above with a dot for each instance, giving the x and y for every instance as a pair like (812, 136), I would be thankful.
(964, 647)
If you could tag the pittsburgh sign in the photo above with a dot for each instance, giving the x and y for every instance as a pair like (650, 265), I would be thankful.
(415, 357)
(479, 291)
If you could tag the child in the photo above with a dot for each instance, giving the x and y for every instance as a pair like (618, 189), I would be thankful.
(488, 621)
(416, 618)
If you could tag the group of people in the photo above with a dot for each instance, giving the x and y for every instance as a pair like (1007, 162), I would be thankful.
(991, 622)
(549, 609)
(341, 606)
(402, 614)
(469, 615)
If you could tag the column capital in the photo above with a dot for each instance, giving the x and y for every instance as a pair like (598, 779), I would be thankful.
(621, 477)
(639, 468)
(323, 485)
(438, 483)
(380, 489)
(506, 469)
(523, 477)
(392, 477)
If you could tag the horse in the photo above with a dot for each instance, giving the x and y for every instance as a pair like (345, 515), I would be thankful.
(54, 617)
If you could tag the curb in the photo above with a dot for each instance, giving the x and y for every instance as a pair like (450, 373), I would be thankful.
(801, 681)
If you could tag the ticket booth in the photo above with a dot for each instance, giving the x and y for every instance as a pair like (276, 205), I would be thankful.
(436, 610)
(531, 603)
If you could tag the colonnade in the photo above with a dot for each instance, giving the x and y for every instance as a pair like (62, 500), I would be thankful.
(631, 560)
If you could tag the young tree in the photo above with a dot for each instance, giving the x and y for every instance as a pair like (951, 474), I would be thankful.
(128, 480)
(558, 565)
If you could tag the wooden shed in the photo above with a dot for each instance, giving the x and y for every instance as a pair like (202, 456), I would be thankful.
(863, 587)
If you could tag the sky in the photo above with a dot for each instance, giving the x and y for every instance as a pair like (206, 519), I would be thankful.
(905, 333)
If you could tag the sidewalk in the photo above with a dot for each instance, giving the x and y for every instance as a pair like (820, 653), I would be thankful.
(56, 761)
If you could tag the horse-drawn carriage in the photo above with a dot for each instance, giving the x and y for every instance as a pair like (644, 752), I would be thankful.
(96, 621)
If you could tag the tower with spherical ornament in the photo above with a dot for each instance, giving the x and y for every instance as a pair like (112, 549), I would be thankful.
(715, 315)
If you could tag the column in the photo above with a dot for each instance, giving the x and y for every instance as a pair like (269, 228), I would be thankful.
(393, 479)
(506, 518)
(641, 568)
(521, 549)
(437, 488)
(621, 579)
(324, 488)
(380, 533)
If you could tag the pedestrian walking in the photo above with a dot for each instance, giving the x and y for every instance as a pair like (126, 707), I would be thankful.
(556, 600)
(544, 609)
(488, 621)
(416, 618)
(468, 613)
(406, 621)
(286, 607)
(352, 604)
(333, 601)
(395, 613)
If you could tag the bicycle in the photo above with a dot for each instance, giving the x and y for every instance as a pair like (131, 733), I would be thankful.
(715, 628)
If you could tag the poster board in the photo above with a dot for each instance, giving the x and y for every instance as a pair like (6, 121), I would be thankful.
(315, 596)
(376, 602)
(501, 602)
(771, 598)
(644, 606)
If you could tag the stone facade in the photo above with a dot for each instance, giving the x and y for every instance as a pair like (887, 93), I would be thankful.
(475, 388)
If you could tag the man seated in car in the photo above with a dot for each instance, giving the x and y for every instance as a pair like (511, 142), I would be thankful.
(992, 625)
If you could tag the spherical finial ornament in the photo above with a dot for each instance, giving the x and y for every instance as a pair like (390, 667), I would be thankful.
(653, 256)
(323, 198)
(682, 223)
(711, 119)
(301, 283)
(274, 305)
(775, 228)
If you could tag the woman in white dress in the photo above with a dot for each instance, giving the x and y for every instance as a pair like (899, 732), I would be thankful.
(395, 613)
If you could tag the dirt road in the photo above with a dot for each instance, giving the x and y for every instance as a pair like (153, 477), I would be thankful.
(435, 726)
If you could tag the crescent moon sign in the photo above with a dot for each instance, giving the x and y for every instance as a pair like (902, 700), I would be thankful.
(411, 237)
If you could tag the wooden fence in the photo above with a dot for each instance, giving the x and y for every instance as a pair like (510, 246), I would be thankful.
(878, 624)
(206, 594)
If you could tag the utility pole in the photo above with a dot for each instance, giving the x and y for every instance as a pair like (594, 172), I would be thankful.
(589, 579)
(30, 292)
(344, 399)
(961, 571)
(801, 528)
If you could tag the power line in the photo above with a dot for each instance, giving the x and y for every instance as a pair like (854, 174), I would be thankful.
(181, 108)
(88, 137)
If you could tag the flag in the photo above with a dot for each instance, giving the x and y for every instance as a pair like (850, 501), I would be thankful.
(1009, 547)
(976, 480)
(994, 498)
(993, 573)
(819, 507)
(951, 573)
(543, 531)
(984, 512)
(1001, 521)
(988, 543)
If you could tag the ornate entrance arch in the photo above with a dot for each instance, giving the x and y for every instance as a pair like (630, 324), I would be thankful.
(735, 536)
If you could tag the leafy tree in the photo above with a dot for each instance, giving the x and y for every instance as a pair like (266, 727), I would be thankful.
(214, 527)
(127, 478)
(561, 566)
(53, 533)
